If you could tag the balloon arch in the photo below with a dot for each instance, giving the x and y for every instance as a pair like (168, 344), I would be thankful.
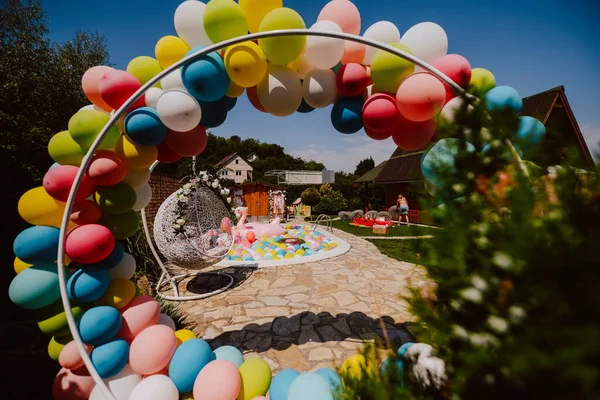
(401, 103)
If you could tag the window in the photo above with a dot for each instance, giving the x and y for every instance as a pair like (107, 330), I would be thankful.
(238, 173)
(237, 161)
(223, 172)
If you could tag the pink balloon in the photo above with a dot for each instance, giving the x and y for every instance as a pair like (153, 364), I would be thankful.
(260, 398)
(152, 349)
(72, 385)
(420, 97)
(380, 113)
(59, 180)
(351, 79)
(139, 314)
(354, 53)
(218, 380)
(85, 212)
(456, 67)
(89, 244)
(70, 358)
(107, 168)
(410, 135)
(344, 13)
(117, 86)
(89, 83)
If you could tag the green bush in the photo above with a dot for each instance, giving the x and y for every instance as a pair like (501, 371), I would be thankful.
(330, 206)
(310, 197)
(354, 203)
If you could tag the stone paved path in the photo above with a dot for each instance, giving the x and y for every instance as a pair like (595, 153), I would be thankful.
(307, 316)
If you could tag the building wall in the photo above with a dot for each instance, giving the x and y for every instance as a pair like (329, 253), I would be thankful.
(303, 177)
(241, 166)
(162, 187)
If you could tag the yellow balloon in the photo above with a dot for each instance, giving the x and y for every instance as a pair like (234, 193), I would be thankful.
(482, 81)
(255, 11)
(234, 90)
(356, 365)
(38, 208)
(144, 68)
(135, 155)
(169, 50)
(183, 335)
(224, 19)
(119, 294)
(20, 265)
(256, 378)
(282, 50)
(246, 64)
(56, 345)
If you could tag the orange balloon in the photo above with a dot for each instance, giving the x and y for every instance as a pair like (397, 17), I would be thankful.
(355, 53)
(251, 236)
(187, 144)
(253, 97)
(89, 83)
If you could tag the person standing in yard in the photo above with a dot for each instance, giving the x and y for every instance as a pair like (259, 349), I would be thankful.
(402, 206)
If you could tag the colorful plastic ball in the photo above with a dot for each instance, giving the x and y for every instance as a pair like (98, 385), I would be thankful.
(89, 83)
(280, 92)
(117, 86)
(116, 199)
(166, 155)
(144, 68)
(389, 70)
(310, 386)
(85, 212)
(427, 41)
(121, 385)
(88, 284)
(99, 324)
(141, 313)
(135, 155)
(188, 23)
(346, 115)
(74, 384)
(502, 98)
(224, 19)
(331, 377)
(156, 387)
(252, 93)
(137, 178)
(324, 52)
(384, 32)
(122, 226)
(246, 64)
(37, 245)
(229, 353)
(482, 81)
(119, 293)
(152, 349)
(189, 359)
(319, 88)
(64, 150)
(351, 80)
(343, 13)
(178, 111)
(107, 168)
(58, 182)
(380, 113)
(213, 114)
(219, 380)
(38, 208)
(110, 358)
(420, 97)
(531, 131)
(145, 127)
(70, 358)
(188, 143)
(256, 10)
(410, 135)
(36, 287)
(256, 378)
(169, 50)
(85, 126)
(305, 108)
(282, 50)
(206, 77)
(280, 385)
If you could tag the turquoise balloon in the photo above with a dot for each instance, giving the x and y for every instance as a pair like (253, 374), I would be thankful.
(488, 147)
(531, 131)
(99, 324)
(403, 349)
(54, 166)
(110, 358)
(229, 353)
(503, 97)
(441, 157)
(145, 127)
(280, 385)
(331, 377)
(310, 386)
(189, 358)
(386, 368)
(36, 287)
(346, 115)
(113, 259)
(88, 284)
(205, 78)
(38, 244)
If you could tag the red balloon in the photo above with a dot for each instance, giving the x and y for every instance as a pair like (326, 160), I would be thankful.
(190, 143)
(166, 155)
(59, 180)
(89, 244)
(420, 96)
(117, 86)
(85, 212)
(457, 68)
(378, 135)
(74, 384)
(380, 112)
(106, 168)
(253, 97)
(351, 80)
(251, 236)
(410, 135)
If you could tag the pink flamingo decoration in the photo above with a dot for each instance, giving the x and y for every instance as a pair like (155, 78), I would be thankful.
(260, 230)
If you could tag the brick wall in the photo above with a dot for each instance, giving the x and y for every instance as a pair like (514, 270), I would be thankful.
(162, 187)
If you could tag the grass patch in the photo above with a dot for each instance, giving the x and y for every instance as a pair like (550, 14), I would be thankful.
(396, 230)
(401, 250)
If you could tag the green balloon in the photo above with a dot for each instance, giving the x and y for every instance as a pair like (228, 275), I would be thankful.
(115, 199)
(85, 126)
(388, 70)
(121, 225)
(144, 68)
(224, 19)
(64, 150)
(56, 344)
(482, 81)
(282, 50)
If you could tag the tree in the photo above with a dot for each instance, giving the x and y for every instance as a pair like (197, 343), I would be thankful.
(364, 166)
(310, 196)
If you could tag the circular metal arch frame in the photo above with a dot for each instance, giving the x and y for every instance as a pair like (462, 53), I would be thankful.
(134, 97)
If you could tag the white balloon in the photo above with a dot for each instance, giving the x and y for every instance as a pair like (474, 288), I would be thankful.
(382, 31)
(427, 41)
(167, 321)
(178, 111)
(319, 88)
(450, 109)
(93, 108)
(137, 178)
(302, 66)
(173, 81)
(125, 269)
(325, 52)
(144, 195)
(121, 385)
(155, 387)
(152, 96)
(188, 23)
(280, 91)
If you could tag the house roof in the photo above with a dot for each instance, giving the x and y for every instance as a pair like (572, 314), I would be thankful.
(227, 160)
(539, 105)
(372, 174)
(259, 183)
(401, 167)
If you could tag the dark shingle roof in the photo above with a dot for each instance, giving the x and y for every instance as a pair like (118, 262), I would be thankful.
(402, 166)
(539, 105)
(372, 174)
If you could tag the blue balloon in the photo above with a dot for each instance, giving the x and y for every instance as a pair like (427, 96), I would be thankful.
(280, 385)
(205, 78)
(88, 284)
(189, 358)
(310, 386)
(346, 115)
(305, 108)
(145, 127)
(213, 114)
(403, 349)
(503, 97)
(531, 131)
(113, 259)
(36, 287)
(441, 157)
(99, 324)
(488, 147)
(110, 358)
(37, 245)
(54, 166)
(229, 102)
(331, 377)
(387, 368)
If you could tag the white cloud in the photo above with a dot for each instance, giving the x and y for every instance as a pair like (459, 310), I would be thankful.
(591, 134)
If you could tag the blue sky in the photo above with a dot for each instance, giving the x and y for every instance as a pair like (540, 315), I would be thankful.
(532, 45)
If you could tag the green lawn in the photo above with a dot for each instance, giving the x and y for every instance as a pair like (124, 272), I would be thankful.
(398, 249)
(396, 230)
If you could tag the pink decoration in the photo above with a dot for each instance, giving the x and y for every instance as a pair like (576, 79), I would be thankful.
(380, 113)
(117, 86)
(59, 180)
(351, 80)
(187, 144)
(355, 53)
(344, 13)
(70, 358)
(420, 96)
(410, 135)
(89, 244)
(139, 314)
(271, 229)
(85, 212)
(72, 385)
(106, 168)
(218, 380)
(457, 68)
(152, 349)
(89, 83)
